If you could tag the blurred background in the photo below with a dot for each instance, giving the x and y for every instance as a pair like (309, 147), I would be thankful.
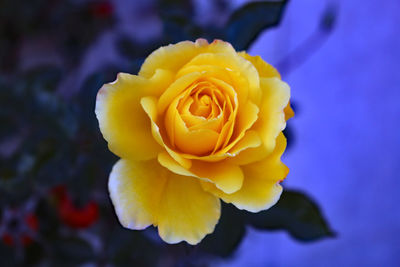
(342, 61)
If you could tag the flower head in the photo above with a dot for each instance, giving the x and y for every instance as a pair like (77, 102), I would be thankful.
(199, 123)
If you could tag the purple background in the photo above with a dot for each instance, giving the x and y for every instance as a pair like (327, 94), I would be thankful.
(346, 151)
(345, 154)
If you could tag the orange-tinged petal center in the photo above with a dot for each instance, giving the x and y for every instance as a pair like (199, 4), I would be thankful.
(200, 119)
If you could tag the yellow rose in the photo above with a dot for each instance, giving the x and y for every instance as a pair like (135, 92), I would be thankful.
(199, 123)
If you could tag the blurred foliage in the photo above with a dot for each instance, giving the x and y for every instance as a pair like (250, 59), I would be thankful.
(251, 20)
(295, 213)
(242, 28)
(70, 26)
(49, 141)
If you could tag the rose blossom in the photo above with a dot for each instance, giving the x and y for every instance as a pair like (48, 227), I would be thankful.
(199, 123)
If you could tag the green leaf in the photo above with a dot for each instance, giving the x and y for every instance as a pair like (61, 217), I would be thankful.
(297, 214)
(249, 21)
(228, 233)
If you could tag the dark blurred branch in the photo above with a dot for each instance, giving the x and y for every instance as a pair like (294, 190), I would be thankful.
(310, 45)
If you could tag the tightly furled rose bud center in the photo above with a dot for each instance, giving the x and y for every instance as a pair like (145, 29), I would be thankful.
(205, 101)
(202, 106)
(199, 120)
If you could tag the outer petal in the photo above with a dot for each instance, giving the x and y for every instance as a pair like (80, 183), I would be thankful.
(122, 120)
(271, 118)
(261, 188)
(135, 190)
(264, 69)
(186, 211)
(250, 155)
(226, 176)
(174, 56)
(289, 113)
(251, 139)
(144, 193)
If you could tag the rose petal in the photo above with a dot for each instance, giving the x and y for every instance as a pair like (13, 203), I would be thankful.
(144, 193)
(135, 190)
(230, 112)
(122, 121)
(250, 154)
(226, 176)
(245, 118)
(238, 154)
(186, 211)
(289, 113)
(171, 164)
(196, 142)
(214, 121)
(229, 77)
(264, 69)
(251, 139)
(175, 89)
(261, 188)
(271, 118)
(233, 62)
(173, 57)
(149, 105)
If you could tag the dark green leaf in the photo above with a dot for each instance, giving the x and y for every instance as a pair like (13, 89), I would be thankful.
(249, 21)
(297, 214)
